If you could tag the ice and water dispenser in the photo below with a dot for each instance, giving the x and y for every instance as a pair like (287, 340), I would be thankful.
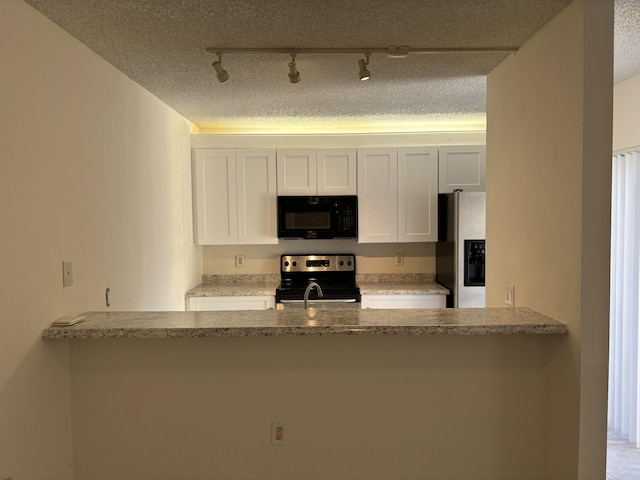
(474, 263)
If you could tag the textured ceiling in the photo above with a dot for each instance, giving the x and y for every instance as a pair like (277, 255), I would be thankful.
(161, 44)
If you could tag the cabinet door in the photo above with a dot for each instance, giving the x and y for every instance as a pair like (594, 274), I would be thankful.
(463, 167)
(209, 304)
(377, 195)
(214, 183)
(403, 301)
(256, 187)
(418, 194)
(297, 172)
(337, 171)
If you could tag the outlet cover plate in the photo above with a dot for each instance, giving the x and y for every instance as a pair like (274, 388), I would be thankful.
(509, 295)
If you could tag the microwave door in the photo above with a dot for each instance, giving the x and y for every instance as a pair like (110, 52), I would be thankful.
(317, 217)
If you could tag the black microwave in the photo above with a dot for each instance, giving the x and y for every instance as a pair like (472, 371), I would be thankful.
(334, 216)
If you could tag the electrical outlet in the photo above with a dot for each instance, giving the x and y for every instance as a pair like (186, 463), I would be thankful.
(399, 259)
(278, 437)
(509, 295)
(239, 261)
(67, 273)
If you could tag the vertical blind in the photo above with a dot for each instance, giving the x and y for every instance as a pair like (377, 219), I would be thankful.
(623, 412)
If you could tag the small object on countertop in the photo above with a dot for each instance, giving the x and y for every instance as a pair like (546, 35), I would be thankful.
(68, 321)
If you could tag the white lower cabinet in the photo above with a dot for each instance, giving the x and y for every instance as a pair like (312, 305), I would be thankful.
(234, 196)
(208, 304)
(398, 195)
(403, 301)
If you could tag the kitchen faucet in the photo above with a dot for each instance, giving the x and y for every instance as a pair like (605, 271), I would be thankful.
(306, 292)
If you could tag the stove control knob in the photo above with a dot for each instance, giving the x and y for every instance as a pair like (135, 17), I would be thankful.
(295, 264)
(286, 264)
(341, 262)
(349, 262)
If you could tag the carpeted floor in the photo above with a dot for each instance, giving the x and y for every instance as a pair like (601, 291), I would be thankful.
(623, 459)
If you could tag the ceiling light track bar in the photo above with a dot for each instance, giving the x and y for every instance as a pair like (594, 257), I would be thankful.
(393, 51)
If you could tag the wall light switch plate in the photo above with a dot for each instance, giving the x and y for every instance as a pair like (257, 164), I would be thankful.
(399, 259)
(239, 261)
(67, 273)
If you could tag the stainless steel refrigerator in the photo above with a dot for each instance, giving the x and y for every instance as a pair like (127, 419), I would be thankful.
(460, 251)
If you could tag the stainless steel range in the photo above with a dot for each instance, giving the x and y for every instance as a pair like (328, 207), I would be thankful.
(328, 281)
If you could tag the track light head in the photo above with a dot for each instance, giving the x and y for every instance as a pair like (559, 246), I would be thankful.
(294, 74)
(221, 73)
(362, 65)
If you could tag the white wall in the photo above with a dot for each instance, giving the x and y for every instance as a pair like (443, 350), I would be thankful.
(95, 170)
(549, 174)
(626, 105)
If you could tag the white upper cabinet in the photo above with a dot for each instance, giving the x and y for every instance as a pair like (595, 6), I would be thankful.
(256, 194)
(336, 171)
(398, 195)
(462, 167)
(377, 195)
(317, 171)
(234, 196)
(297, 172)
(418, 194)
(215, 203)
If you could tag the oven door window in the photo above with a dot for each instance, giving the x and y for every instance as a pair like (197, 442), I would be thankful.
(307, 220)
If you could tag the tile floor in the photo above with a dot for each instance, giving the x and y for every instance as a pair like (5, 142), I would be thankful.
(623, 459)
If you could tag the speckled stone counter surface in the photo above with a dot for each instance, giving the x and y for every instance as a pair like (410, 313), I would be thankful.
(266, 284)
(400, 284)
(235, 285)
(480, 321)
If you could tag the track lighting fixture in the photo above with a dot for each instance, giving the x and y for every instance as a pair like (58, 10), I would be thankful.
(394, 51)
(221, 73)
(362, 65)
(294, 74)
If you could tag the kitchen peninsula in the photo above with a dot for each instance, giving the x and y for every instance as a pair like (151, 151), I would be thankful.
(481, 321)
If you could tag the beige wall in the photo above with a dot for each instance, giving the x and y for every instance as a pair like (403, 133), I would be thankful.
(548, 200)
(370, 258)
(369, 408)
(95, 170)
(626, 105)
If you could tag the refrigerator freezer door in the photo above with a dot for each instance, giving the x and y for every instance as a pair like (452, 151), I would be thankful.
(471, 220)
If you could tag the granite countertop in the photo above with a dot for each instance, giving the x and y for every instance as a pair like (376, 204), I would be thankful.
(235, 286)
(480, 321)
(266, 284)
(400, 284)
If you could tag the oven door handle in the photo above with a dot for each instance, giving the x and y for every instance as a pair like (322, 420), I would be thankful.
(336, 300)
